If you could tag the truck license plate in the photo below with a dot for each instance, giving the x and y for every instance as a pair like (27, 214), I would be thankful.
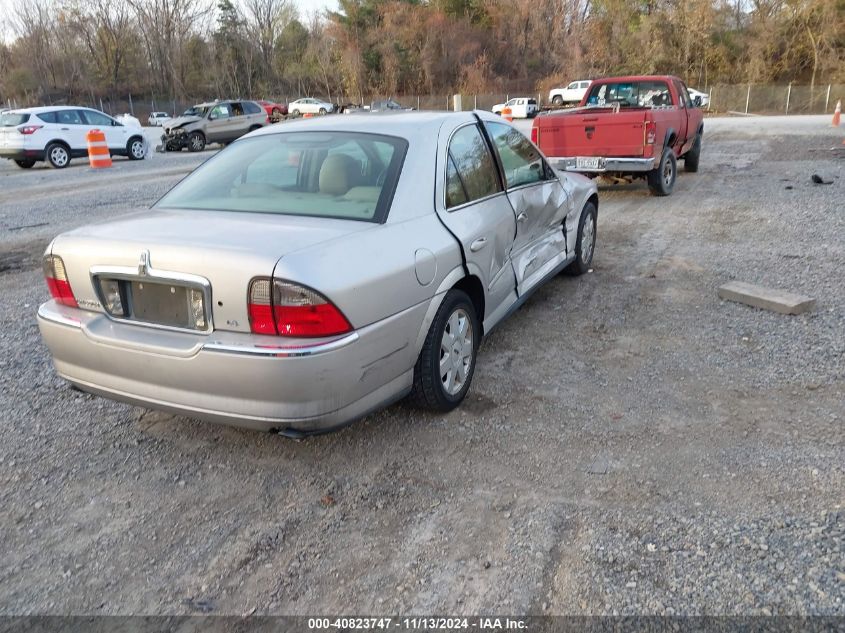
(587, 162)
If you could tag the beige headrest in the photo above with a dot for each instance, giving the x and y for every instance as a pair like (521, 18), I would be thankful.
(338, 174)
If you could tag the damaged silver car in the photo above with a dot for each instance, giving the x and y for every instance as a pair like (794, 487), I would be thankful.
(216, 122)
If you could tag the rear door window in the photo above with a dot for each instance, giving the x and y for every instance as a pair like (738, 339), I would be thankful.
(47, 117)
(251, 108)
(69, 117)
(473, 163)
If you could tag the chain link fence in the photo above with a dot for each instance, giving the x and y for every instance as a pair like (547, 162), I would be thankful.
(724, 99)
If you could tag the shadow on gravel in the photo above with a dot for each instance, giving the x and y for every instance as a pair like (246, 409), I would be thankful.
(26, 257)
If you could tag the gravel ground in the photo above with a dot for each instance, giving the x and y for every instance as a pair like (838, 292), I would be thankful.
(631, 444)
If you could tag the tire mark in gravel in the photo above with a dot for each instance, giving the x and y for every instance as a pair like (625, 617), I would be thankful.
(60, 189)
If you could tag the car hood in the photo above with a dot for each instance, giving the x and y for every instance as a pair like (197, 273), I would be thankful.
(182, 120)
(227, 248)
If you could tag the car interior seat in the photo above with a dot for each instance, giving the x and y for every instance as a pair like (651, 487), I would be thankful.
(338, 174)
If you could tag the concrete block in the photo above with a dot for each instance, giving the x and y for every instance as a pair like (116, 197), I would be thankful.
(766, 298)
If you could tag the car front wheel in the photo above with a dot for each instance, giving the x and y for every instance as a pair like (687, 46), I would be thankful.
(446, 364)
(692, 156)
(322, 111)
(196, 142)
(58, 155)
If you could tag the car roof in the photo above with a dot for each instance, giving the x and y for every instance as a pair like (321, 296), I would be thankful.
(38, 109)
(405, 124)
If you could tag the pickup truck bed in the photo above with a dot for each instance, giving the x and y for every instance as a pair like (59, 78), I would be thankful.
(626, 126)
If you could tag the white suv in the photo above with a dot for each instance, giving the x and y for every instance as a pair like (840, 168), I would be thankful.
(573, 93)
(56, 134)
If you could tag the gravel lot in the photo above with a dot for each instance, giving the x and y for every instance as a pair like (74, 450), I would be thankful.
(630, 444)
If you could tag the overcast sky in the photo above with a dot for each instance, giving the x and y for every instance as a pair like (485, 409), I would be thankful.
(306, 9)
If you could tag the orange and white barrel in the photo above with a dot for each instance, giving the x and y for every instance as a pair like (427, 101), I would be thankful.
(98, 149)
(507, 113)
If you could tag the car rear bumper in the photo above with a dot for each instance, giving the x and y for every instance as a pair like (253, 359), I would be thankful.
(20, 153)
(618, 165)
(236, 378)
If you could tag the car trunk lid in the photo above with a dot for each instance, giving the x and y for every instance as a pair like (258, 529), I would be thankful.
(184, 250)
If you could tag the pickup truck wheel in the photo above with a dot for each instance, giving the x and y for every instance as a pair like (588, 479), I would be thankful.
(586, 243)
(692, 156)
(196, 142)
(661, 181)
(446, 363)
(558, 100)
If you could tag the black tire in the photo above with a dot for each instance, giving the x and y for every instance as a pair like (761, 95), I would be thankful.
(661, 181)
(58, 155)
(295, 113)
(558, 100)
(428, 391)
(692, 156)
(196, 142)
(584, 251)
(25, 163)
(276, 112)
(136, 148)
(322, 111)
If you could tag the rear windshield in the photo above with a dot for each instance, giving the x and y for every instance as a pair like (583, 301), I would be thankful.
(11, 119)
(630, 94)
(251, 108)
(349, 175)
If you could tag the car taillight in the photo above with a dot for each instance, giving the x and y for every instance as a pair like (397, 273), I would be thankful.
(57, 282)
(650, 132)
(535, 135)
(29, 129)
(283, 308)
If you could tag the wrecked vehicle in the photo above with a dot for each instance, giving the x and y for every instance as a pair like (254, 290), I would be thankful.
(217, 122)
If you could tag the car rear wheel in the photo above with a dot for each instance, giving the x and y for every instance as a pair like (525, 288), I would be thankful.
(661, 181)
(58, 155)
(295, 113)
(24, 163)
(446, 364)
(135, 149)
(692, 156)
(585, 245)
(276, 112)
(558, 100)
(196, 142)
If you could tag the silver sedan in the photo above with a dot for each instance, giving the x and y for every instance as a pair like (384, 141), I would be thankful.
(315, 271)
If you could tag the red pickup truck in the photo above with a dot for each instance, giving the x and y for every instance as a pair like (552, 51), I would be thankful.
(626, 126)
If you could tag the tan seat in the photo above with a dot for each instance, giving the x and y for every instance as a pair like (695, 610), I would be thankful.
(338, 174)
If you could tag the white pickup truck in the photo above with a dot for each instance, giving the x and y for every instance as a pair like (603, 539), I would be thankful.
(573, 93)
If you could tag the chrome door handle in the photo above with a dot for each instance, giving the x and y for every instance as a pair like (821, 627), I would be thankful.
(521, 217)
(478, 244)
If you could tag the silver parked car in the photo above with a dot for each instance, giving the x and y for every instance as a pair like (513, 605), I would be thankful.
(313, 272)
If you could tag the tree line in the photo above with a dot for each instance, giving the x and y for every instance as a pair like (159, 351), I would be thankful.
(66, 50)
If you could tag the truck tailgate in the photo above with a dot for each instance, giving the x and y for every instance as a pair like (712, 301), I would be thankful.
(593, 132)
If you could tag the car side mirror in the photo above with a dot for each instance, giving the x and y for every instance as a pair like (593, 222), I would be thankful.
(697, 101)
